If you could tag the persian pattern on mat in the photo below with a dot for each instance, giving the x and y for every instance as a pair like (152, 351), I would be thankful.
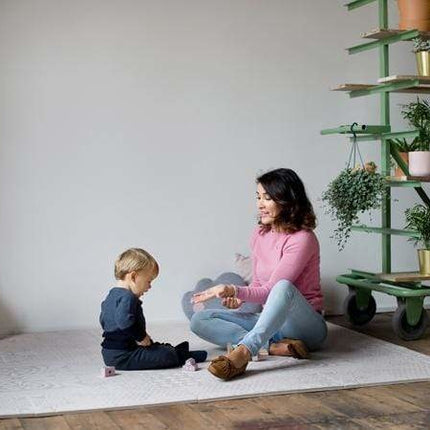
(48, 373)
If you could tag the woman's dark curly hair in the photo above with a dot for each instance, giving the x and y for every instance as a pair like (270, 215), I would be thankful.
(286, 189)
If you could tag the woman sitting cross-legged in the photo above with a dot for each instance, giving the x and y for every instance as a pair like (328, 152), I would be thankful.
(286, 280)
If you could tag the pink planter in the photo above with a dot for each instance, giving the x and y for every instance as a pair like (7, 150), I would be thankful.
(419, 163)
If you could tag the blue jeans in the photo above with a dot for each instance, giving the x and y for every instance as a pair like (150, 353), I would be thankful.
(286, 314)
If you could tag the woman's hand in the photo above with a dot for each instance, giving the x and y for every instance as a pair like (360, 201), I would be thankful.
(232, 302)
(221, 291)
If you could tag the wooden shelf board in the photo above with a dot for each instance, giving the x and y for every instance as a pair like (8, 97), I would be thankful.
(409, 178)
(403, 277)
(414, 90)
(352, 87)
(382, 33)
(425, 80)
(421, 89)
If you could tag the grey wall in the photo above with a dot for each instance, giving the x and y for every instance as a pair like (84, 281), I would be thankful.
(144, 123)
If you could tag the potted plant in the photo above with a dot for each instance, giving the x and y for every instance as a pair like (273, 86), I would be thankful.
(403, 148)
(418, 219)
(422, 55)
(352, 192)
(418, 116)
(414, 14)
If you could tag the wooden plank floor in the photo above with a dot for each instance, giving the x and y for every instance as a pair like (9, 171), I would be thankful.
(394, 407)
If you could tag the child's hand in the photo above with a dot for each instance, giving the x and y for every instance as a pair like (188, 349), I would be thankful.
(232, 302)
(147, 341)
(221, 291)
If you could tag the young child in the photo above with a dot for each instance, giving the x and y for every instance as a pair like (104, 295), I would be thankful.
(126, 344)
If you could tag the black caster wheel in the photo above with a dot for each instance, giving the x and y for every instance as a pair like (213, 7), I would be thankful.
(403, 329)
(356, 315)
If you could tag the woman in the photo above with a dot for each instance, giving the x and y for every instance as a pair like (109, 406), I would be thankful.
(286, 280)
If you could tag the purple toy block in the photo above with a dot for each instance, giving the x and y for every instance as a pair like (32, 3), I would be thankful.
(108, 371)
(190, 365)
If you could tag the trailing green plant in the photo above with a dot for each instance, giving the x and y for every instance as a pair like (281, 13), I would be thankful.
(420, 45)
(418, 116)
(352, 192)
(418, 219)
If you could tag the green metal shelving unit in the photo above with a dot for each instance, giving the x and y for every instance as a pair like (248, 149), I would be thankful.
(410, 319)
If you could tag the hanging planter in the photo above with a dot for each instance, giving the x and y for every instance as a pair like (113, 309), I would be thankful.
(355, 190)
(414, 14)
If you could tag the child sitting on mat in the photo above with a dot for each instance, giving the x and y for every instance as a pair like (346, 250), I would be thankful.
(126, 344)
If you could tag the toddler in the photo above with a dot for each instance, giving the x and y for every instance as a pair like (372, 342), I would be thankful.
(126, 344)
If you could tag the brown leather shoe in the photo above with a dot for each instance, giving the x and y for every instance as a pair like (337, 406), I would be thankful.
(222, 367)
(296, 348)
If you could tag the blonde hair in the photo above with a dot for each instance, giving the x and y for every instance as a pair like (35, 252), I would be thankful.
(133, 260)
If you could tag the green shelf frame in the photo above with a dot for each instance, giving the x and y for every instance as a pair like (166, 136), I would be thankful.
(358, 3)
(365, 129)
(409, 294)
(404, 184)
(394, 135)
(383, 286)
(384, 230)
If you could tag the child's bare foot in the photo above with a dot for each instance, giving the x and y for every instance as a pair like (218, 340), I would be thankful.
(289, 348)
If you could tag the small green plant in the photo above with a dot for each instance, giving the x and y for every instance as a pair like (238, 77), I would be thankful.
(420, 45)
(418, 219)
(352, 192)
(402, 145)
(418, 116)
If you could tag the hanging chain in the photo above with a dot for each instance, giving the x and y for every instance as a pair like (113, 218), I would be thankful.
(355, 150)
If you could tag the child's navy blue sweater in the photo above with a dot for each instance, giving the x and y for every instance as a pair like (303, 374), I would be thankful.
(122, 320)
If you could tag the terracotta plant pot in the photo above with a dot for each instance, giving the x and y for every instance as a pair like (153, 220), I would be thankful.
(414, 14)
(419, 163)
(405, 157)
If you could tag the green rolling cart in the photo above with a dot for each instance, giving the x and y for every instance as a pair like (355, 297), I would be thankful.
(410, 319)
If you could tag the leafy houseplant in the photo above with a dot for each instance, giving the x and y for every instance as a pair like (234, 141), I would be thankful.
(418, 220)
(352, 192)
(403, 147)
(417, 114)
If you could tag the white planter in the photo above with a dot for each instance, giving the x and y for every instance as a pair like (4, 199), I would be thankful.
(419, 163)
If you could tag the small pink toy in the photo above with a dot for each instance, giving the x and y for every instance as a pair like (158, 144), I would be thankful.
(190, 365)
(108, 371)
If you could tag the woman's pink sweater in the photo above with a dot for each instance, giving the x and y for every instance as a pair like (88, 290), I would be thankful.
(291, 256)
